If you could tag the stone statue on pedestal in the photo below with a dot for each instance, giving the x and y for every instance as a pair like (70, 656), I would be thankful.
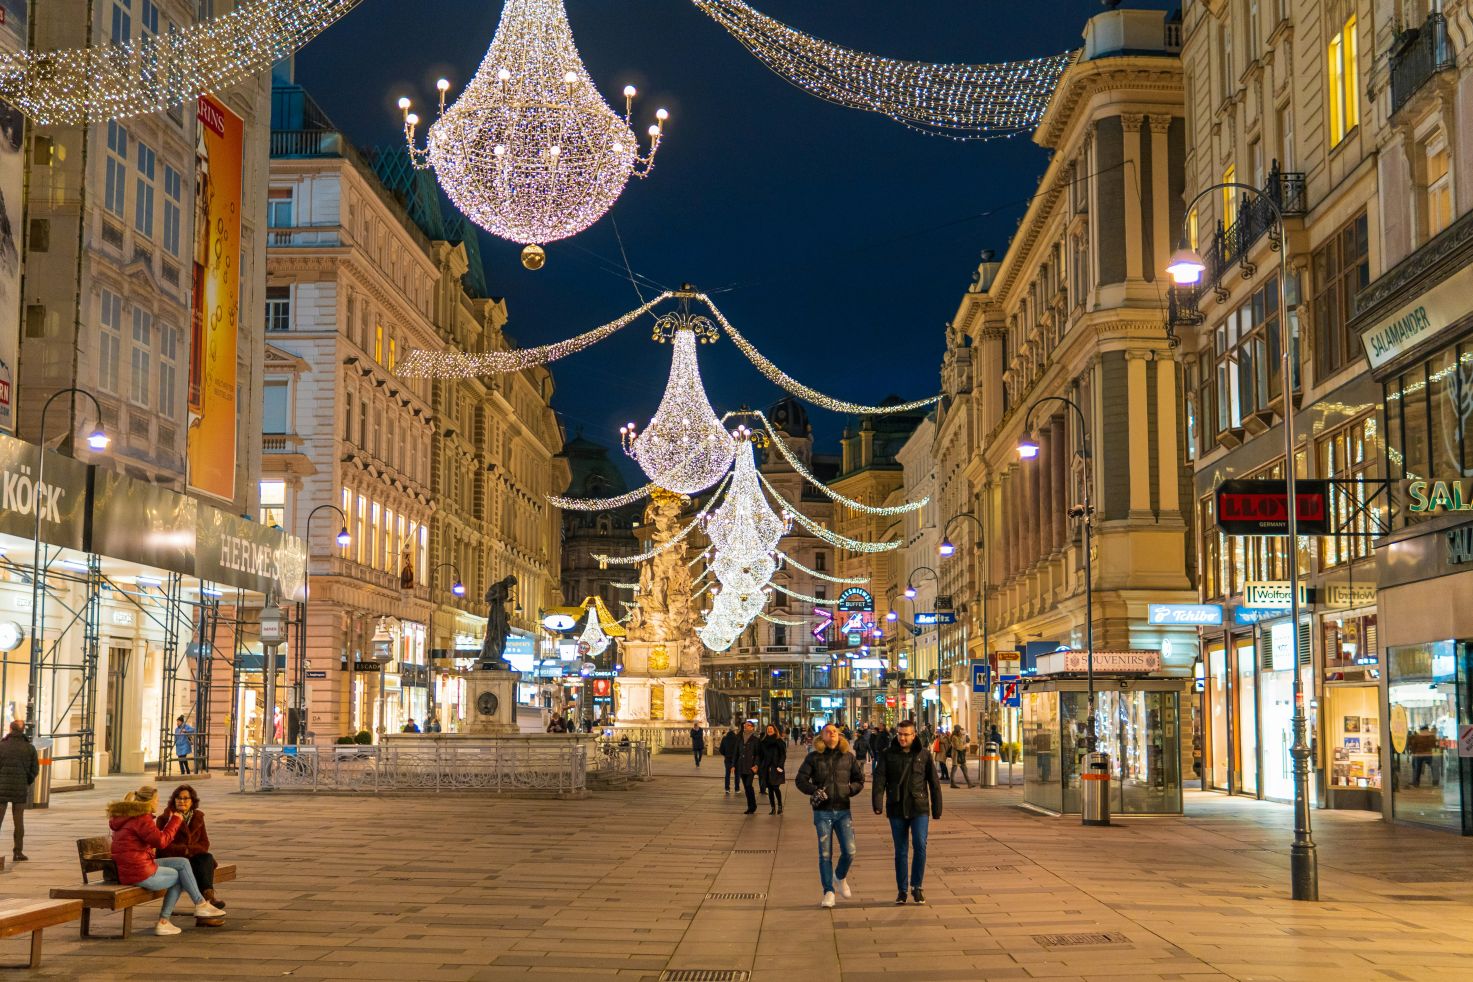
(498, 624)
(664, 612)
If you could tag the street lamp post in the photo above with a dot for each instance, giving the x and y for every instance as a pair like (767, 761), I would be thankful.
(457, 588)
(97, 440)
(299, 670)
(1028, 450)
(946, 549)
(1186, 267)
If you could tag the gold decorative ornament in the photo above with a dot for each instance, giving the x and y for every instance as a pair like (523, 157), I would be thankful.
(689, 697)
(534, 257)
(659, 659)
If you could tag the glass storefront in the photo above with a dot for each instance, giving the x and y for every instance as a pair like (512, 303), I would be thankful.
(1217, 716)
(1353, 732)
(1428, 700)
(1245, 725)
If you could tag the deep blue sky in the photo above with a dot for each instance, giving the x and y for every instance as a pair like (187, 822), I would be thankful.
(836, 230)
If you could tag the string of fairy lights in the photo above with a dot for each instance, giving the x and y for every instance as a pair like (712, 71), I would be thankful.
(797, 464)
(833, 538)
(605, 560)
(844, 580)
(956, 100)
(158, 71)
(600, 504)
(820, 601)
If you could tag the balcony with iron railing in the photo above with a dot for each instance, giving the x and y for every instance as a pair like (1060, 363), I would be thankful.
(1416, 56)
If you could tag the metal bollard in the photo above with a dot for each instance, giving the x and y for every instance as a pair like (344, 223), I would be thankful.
(1094, 789)
(987, 768)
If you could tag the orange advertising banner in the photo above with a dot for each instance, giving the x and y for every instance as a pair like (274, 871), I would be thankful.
(214, 324)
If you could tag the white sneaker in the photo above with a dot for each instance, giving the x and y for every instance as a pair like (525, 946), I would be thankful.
(207, 909)
(164, 927)
(828, 901)
(844, 889)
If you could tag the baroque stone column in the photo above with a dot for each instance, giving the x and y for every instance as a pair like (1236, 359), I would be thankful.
(1139, 414)
(1132, 176)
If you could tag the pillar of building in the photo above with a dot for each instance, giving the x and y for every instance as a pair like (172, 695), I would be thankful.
(1161, 238)
(1132, 176)
(1168, 454)
(1139, 410)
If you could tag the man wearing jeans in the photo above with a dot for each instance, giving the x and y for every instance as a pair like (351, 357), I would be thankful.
(907, 789)
(830, 776)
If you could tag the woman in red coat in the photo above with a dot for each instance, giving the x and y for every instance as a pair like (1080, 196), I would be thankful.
(191, 842)
(136, 838)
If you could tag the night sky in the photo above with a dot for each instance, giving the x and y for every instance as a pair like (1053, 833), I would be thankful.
(837, 241)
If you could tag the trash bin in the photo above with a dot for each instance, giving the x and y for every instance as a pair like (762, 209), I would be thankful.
(41, 789)
(987, 770)
(1094, 787)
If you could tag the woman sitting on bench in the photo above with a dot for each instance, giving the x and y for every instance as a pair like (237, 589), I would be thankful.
(136, 837)
(192, 842)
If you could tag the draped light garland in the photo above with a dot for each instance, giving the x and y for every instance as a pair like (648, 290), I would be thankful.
(797, 465)
(606, 560)
(846, 580)
(455, 364)
(784, 621)
(833, 538)
(782, 379)
(970, 102)
(530, 151)
(599, 504)
(68, 86)
(626, 586)
(820, 601)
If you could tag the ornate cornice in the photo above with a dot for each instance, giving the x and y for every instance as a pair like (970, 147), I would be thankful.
(1449, 252)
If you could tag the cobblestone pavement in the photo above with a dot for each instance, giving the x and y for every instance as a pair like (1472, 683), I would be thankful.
(671, 876)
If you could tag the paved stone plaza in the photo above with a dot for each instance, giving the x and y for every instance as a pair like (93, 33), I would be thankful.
(671, 876)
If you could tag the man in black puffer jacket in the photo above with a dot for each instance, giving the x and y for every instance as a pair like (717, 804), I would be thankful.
(907, 789)
(830, 776)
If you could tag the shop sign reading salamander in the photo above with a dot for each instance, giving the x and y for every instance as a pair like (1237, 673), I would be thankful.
(1430, 496)
(1460, 545)
(1423, 318)
(1261, 507)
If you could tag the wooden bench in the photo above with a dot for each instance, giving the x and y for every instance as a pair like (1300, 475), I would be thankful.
(95, 855)
(33, 918)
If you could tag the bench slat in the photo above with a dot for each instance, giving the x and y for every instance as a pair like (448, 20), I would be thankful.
(118, 896)
(25, 918)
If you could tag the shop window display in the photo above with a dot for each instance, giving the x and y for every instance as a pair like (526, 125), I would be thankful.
(1353, 731)
(1428, 699)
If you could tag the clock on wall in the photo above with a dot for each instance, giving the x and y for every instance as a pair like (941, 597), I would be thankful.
(11, 635)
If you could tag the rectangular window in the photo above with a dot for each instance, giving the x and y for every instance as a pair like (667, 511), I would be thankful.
(173, 191)
(378, 343)
(110, 348)
(279, 208)
(1286, 138)
(1344, 73)
(389, 543)
(393, 354)
(275, 408)
(359, 538)
(1229, 197)
(122, 26)
(1439, 187)
(149, 17)
(1225, 60)
(375, 516)
(143, 201)
(278, 308)
(115, 190)
(168, 369)
(348, 416)
(1347, 453)
(424, 553)
(347, 519)
(1341, 269)
(141, 356)
(1192, 234)
(273, 504)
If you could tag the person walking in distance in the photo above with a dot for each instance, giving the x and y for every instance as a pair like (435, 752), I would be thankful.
(19, 766)
(959, 756)
(908, 792)
(861, 746)
(941, 753)
(728, 748)
(774, 760)
(697, 743)
(830, 776)
(183, 743)
(748, 759)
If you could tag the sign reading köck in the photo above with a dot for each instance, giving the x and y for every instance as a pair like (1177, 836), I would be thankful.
(1261, 507)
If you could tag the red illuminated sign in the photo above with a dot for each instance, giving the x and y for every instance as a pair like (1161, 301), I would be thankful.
(1261, 507)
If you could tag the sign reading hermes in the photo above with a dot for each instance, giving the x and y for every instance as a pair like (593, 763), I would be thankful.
(1419, 320)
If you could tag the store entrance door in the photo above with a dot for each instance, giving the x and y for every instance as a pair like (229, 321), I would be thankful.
(117, 679)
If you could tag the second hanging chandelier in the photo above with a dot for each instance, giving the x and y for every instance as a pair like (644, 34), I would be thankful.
(530, 151)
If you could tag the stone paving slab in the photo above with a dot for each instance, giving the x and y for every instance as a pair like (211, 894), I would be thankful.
(620, 886)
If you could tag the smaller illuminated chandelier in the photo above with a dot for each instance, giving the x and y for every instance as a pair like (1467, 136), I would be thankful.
(530, 151)
(685, 448)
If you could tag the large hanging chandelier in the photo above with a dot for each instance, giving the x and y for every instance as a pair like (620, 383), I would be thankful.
(685, 448)
(530, 151)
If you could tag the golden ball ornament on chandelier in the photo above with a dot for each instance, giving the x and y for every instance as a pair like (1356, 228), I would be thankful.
(530, 151)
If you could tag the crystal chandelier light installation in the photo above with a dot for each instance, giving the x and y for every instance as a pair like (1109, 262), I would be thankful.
(685, 448)
(593, 640)
(530, 151)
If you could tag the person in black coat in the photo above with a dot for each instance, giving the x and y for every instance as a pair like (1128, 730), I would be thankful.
(774, 760)
(698, 743)
(728, 749)
(19, 766)
(831, 776)
(748, 760)
(907, 790)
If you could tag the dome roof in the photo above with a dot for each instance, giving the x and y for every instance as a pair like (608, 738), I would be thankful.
(790, 416)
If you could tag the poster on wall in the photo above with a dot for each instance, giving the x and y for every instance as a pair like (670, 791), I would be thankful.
(214, 320)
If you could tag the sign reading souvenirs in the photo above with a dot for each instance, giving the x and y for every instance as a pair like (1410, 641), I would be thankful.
(1431, 496)
(1200, 615)
(1271, 593)
(927, 617)
(1261, 507)
(856, 599)
(1460, 545)
(1070, 661)
(1428, 315)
